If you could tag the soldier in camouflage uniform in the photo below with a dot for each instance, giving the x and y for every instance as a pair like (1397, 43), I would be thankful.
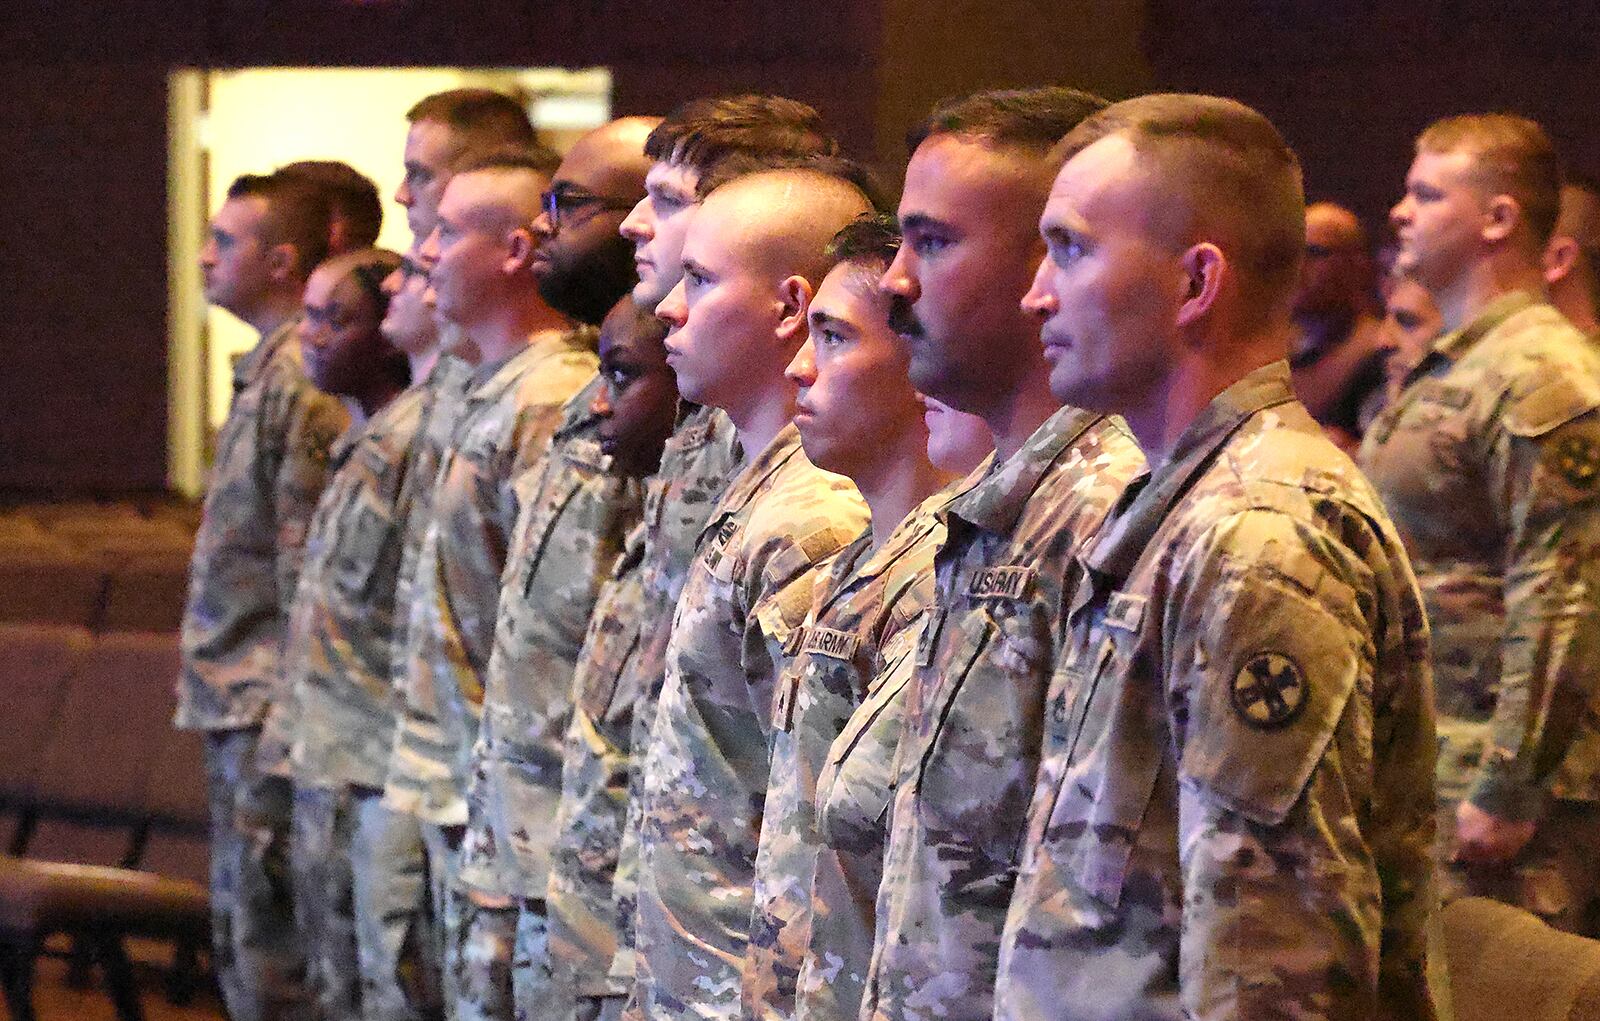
(637, 409)
(336, 718)
(271, 460)
(978, 176)
(857, 416)
(530, 363)
(574, 516)
(695, 140)
(1490, 462)
(738, 316)
(1233, 811)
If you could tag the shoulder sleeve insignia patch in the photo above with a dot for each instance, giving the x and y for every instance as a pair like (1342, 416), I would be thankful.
(1269, 693)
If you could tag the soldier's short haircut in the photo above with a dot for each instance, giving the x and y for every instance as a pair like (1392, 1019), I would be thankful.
(369, 267)
(1229, 170)
(870, 240)
(1030, 119)
(703, 132)
(536, 158)
(297, 214)
(351, 195)
(481, 119)
(740, 164)
(1512, 155)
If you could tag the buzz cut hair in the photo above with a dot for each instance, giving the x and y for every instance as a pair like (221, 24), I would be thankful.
(536, 158)
(1511, 156)
(701, 133)
(737, 165)
(298, 214)
(481, 120)
(1229, 177)
(351, 195)
(1033, 120)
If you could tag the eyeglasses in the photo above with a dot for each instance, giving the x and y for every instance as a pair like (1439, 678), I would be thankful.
(562, 200)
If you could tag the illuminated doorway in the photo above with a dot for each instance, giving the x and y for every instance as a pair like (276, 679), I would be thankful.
(227, 123)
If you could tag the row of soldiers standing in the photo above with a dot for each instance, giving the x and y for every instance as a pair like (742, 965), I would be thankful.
(958, 618)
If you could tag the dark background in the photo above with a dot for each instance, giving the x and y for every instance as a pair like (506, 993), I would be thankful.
(83, 106)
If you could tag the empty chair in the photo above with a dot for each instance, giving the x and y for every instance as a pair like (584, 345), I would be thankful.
(175, 799)
(50, 583)
(147, 592)
(36, 661)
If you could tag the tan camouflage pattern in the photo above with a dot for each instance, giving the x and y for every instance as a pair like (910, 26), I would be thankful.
(1234, 806)
(700, 460)
(575, 514)
(869, 597)
(594, 785)
(1489, 461)
(419, 781)
(504, 424)
(270, 467)
(762, 551)
(338, 717)
(321, 829)
(974, 712)
(854, 789)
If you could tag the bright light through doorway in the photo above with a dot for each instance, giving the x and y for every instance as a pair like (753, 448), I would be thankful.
(227, 123)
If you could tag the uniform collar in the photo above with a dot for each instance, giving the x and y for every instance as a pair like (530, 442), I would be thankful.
(1148, 501)
(250, 367)
(577, 417)
(995, 501)
(1455, 344)
(753, 479)
(492, 381)
(858, 563)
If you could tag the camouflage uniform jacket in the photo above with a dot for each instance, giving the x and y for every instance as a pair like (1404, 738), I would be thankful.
(418, 780)
(1234, 810)
(504, 425)
(854, 789)
(869, 597)
(574, 515)
(1490, 463)
(337, 717)
(594, 784)
(701, 458)
(974, 712)
(706, 766)
(271, 464)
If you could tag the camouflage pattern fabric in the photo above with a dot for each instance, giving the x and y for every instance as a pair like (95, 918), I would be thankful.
(502, 427)
(701, 458)
(1234, 810)
(855, 787)
(763, 549)
(319, 856)
(419, 780)
(270, 467)
(574, 516)
(974, 712)
(870, 596)
(257, 952)
(399, 968)
(483, 961)
(594, 786)
(1489, 461)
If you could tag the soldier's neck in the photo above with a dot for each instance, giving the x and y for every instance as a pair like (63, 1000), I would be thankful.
(759, 420)
(894, 486)
(508, 328)
(273, 311)
(1481, 283)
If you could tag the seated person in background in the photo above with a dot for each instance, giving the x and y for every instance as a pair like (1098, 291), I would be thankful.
(1337, 354)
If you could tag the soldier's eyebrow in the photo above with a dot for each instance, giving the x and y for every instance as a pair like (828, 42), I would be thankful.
(920, 222)
(821, 319)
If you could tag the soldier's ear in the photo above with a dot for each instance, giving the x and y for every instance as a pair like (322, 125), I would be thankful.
(1501, 218)
(794, 298)
(283, 264)
(1559, 258)
(1204, 267)
(520, 246)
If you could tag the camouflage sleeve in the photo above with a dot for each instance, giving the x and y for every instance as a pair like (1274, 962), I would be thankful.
(780, 591)
(310, 422)
(1549, 465)
(1269, 695)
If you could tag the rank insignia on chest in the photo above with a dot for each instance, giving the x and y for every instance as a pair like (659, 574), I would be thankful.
(1269, 692)
(1001, 582)
(1125, 612)
(821, 641)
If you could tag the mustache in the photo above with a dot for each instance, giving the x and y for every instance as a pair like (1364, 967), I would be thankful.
(901, 319)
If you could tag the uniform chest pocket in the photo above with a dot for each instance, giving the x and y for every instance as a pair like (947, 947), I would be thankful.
(600, 678)
(363, 547)
(1115, 743)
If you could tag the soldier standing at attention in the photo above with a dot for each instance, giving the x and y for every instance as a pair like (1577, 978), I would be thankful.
(448, 130)
(1233, 812)
(690, 144)
(1489, 461)
(752, 257)
(1572, 256)
(638, 409)
(337, 717)
(857, 416)
(573, 515)
(271, 463)
(979, 173)
(529, 360)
